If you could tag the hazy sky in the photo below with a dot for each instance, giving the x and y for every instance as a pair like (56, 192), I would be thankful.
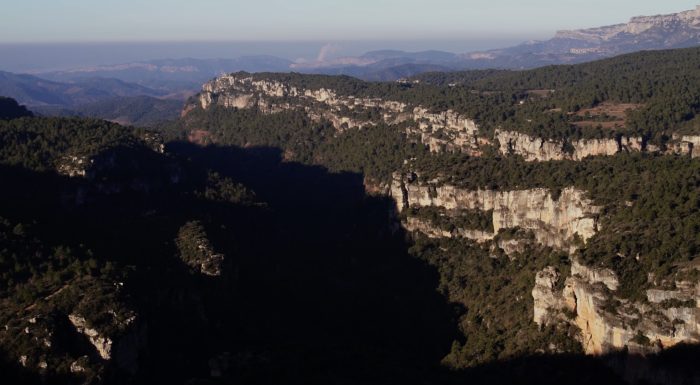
(284, 20)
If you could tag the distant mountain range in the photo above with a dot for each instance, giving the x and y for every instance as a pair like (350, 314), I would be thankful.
(107, 98)
(677, 30)
(115, 91)
(34, 91)
(173, 75)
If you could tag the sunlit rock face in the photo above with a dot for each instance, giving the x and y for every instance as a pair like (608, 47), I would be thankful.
(555, 222)
(537, 149)
(607, 323)
(682, 23)
(586, 298)
(534, 149)
(440, 131)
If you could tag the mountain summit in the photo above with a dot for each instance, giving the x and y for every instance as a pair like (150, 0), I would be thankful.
(661, 31)
(676, 30)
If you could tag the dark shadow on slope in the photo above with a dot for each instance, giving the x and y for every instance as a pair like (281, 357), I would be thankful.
(674, 366)
(317, 288)
(326, 292)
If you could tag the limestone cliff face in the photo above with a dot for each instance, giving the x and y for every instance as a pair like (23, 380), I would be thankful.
(587, 297)
(415, 224)
(447, 131)
(555, 222)
(441, 131)
(608, 323)
(537, 149)
(672, 23)
(542, 150)
(685, 145)
(102, 344)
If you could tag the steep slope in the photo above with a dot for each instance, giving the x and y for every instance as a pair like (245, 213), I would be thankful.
(140, 111)
(500, 171)
(553, 113)
(677, 30)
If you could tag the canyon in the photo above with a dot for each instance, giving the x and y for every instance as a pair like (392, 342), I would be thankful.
(440, 131)
(587, 298)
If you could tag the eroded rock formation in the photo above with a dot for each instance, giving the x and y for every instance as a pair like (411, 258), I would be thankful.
(555, 222)
(538, 149)
(541, 150)
(588, 300)
(441, 131)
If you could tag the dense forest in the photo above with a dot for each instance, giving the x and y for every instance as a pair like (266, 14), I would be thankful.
(550, 102)
(230, 262)
(140, 111)
(234, 245)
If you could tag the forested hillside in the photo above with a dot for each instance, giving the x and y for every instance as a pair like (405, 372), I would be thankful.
(318, 229)
(657, 89)
(642, 231)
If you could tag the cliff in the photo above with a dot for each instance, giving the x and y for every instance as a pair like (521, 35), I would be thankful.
(554, 222)
(608, 323)
(542, 150)
(636, 26)
(585, 299)
(538, 149)
(440, 131)
(430, 230)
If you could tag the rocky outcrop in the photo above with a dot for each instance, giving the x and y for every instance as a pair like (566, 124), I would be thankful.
(431, 231)
(538, 149)
(675, 22)
(441, 131)
(688, 145)
(446, 131)
(102, 344)
(554, 222)
(117, 341)
(605, 276)
(607, 323)
(548, 303)
(74, 166)
(243, 91)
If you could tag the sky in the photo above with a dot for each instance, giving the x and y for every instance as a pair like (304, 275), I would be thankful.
(293, 20)
(44, 35)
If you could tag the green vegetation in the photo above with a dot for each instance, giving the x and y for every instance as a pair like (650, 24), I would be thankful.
(674, 302)
(291, 130)
(375, 151)
(495, 294)
(543, 102)
(650, 204)
(225, 190)
(40, 143)
(315, 271)
(140, 111)
(449, 220)
(641, 339)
